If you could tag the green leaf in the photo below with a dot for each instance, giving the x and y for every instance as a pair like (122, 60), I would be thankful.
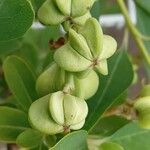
(9, 46)
(111, 87)
(29, 53)
(9, 101)
(16, 17)
(37, 4)
(104, 7)
(120, 100)
(110, 146)
(12, 123)
(29, 139)
(143, 15)
(142, 20)
(21, 81)
(108, 125)
(42, 146)
(132, 137)
(73, 141)
(144, 4)
(48, 60)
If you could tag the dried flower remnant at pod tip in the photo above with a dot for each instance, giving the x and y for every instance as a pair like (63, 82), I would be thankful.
(86, 50)
(58, 113)
(71, 13)
(56, 44)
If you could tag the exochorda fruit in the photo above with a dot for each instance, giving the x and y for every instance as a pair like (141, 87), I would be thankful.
(86, 50)
(69, 12)
(51, 80)
(54, 79)
(86, 87)
(142, 106)
(145, 90)
(57, 113)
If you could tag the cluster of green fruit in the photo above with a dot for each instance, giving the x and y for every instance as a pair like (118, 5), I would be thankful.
(72, 77)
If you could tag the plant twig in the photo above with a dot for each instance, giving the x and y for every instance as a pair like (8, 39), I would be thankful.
(136, 34)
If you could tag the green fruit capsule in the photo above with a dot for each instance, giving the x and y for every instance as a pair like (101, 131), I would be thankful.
(94, 37)
(86, 87)
(68, 110)
(80, 7)
(75, 62)
(88, 49)
(40, 118)
(49, 14)
(145, 90)
(51, 80)
(64, 6)
(74, 8)
(76, 23)
(58, 113)
(72, 13)
(55, 78)
(143, 108)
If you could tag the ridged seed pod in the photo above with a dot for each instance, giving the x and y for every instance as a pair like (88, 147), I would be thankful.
(57, 113)
(51, 80)
(145, 90)
(73, 13)
(87, 49)
(142, 106)
(86, 87)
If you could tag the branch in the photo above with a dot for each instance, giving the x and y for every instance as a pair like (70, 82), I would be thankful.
(134, 31)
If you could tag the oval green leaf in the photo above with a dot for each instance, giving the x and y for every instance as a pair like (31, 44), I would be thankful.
(12, 123)
(132, 137)
(108, 125)
(29, 139)
(73, 141)
(16, 17)
(21, 81)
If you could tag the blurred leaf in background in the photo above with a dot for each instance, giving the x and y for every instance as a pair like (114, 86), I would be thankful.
(132, 137)
(143, 23)
(103, 7)
(7, 47)
(40, 37)
(108, 125)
